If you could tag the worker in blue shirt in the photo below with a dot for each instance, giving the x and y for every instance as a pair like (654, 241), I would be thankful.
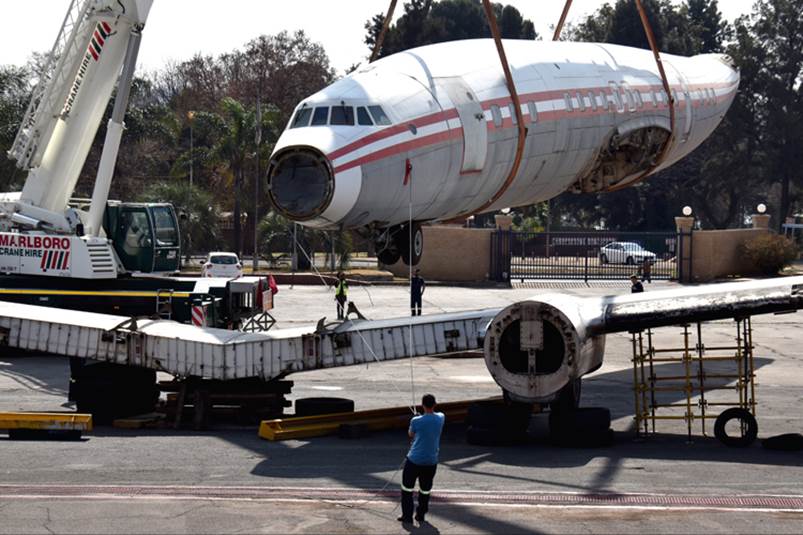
(422, 460)
(417, 287)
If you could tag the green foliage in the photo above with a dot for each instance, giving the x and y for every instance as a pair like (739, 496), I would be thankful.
(14, 94)
(770, 253)
(275, 236)
(198, 214)
(426, 22)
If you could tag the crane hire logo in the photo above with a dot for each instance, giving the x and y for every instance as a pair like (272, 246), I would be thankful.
(54, 252)
(102, 32)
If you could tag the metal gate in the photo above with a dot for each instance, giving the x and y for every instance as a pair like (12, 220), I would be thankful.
(594, 255)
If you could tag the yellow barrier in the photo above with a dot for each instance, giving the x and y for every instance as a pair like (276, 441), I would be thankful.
(374, 420)
(46, 421)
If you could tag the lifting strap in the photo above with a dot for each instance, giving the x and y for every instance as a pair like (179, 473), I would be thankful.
(664, 80)
(385, 25)
(514, 96)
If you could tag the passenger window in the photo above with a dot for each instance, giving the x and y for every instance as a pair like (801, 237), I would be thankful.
(657, 97)
(379, 115)
(320, 117)
(603, 101)
(616, 97)
(567, 101)
(639, 100)
(342, 116)
(496, 113)
(302, 118)
(512, 108)
(592, 101)
(533, 111)
(363, 118)
(580, 103)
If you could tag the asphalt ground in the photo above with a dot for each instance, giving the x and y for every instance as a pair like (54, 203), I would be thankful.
(229, 480)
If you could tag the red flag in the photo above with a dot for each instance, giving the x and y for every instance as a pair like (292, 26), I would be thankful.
(274, 288)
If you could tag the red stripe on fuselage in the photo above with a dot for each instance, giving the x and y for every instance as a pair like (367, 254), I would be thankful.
(544, 116)
(401, 147)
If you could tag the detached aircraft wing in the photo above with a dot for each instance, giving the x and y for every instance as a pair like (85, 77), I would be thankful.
(532, 348)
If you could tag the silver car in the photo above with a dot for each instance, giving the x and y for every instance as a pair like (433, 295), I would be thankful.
(625, 252)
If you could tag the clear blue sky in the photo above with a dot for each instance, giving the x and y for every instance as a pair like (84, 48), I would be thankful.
(177, 29)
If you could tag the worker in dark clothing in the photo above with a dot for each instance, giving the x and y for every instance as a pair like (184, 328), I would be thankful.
(422, 460)
(341, 295)
(417, 287)
(646, 270)
(635, 285)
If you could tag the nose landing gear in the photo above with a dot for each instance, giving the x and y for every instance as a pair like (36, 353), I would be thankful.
(400, 242)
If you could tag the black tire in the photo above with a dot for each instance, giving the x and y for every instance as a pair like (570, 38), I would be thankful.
(569, 396)
(316, 406)
(603, 258)
(483, 436)
(748, 420)
(109, 391)
(44, 434)
(786, 442)
(388, 257)
(499, 417)
(411, 258)
(580, 422)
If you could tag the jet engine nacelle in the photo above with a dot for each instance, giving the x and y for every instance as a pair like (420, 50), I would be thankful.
(535, 348)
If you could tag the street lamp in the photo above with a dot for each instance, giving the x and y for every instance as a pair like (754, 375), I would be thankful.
(191, 116)
(761, 208)
(687, 211)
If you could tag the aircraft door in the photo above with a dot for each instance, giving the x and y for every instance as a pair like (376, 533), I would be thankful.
(472, 120)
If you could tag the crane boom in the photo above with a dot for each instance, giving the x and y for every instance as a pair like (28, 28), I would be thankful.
(65, 113)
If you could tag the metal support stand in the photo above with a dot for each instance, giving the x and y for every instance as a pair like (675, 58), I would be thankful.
(698, 375)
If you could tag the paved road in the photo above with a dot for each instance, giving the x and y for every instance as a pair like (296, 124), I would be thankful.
(229, 480)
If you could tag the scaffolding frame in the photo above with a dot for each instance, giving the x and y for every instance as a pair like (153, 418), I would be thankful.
(695, 382)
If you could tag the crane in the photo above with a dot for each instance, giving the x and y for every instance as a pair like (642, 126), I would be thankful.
(40, 232)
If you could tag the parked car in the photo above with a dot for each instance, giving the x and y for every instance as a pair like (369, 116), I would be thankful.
(220, 264)
(625, 252)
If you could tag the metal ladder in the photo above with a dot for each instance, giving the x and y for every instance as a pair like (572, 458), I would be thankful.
(164, 304)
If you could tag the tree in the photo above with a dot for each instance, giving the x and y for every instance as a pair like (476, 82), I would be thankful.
(15, 89)
(197, 211)
(426, 22)
(778, 26)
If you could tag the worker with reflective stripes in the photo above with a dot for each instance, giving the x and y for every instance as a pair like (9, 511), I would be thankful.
(341, 295)
(422, 460)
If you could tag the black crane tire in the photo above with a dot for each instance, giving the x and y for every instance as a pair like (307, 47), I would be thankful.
(736, 413)
(785, 442)
(316, 406)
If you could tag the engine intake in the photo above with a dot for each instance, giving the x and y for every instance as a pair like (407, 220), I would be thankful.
(536, 347)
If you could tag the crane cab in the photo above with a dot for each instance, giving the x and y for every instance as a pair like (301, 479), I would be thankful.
(145, 236)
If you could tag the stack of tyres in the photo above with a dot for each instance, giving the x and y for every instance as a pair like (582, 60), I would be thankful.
(492, 423)
(108, 391)
(587, 427)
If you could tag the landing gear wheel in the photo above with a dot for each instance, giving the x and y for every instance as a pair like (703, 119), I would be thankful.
(749, 428)
(569, 397)
(411, 257)
(388, 256)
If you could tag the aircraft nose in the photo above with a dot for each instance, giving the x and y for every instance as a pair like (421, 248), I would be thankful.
(300, 183)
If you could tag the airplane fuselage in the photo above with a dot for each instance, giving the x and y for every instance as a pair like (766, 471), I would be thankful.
(429, 134)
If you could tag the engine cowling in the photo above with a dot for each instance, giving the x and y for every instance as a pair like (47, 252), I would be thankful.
(534, 348)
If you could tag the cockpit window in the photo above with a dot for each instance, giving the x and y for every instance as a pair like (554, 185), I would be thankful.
(302, 118)
(379, 115)
(342, 115)
(363, 118)
(320, 117)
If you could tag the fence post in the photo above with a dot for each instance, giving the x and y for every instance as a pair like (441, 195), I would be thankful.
(585, 270)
